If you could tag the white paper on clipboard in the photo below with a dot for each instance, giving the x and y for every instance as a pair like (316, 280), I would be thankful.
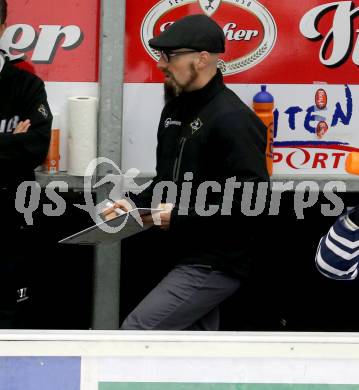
(94, 235)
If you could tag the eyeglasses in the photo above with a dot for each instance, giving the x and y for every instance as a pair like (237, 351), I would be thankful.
(166, 55)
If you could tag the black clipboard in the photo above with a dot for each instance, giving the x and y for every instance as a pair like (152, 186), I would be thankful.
(126, 223)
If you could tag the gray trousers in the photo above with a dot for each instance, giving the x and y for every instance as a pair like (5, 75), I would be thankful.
(187, 298)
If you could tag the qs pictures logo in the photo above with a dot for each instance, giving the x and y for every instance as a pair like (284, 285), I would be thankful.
(248, 26)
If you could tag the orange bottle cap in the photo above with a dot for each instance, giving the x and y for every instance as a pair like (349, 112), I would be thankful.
(352, 163)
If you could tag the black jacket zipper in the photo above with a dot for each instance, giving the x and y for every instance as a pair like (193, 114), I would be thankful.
(177, 165)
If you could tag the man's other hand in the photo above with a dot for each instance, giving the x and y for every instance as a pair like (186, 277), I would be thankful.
(161, 219)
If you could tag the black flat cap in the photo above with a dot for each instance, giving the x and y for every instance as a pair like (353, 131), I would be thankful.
(197, 32)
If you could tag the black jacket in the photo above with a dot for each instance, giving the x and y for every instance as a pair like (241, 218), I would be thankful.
(212, 134)
(22, 96)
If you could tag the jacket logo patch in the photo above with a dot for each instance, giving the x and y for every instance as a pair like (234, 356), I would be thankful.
(43, 111)
(22, 294)
(169, 122)
(196, 125)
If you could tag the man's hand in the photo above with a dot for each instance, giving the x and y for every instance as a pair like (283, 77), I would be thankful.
(110, 213)
(22, 127)
(162, 219)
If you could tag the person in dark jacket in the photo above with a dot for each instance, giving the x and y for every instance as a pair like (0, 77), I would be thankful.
(25, 131)
(209, 144)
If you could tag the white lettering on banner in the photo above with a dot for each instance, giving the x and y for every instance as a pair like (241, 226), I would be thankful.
(302, 158)
(23, 37)
(238, 35)
(229, 31)
(340, 35)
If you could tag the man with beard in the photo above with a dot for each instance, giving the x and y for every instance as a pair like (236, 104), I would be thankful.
(206, 135)
(25, 130)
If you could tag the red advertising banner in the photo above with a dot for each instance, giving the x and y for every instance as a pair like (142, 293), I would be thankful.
(59, 40)
(289, 42)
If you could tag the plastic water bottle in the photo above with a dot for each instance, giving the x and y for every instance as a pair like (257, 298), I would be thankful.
(263, 105)
(52, 162)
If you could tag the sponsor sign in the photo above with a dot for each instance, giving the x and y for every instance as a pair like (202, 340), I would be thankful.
(299, 49)
(271, 42)
(58, 40)
(307, 140)
(315, 130)
(248, 43)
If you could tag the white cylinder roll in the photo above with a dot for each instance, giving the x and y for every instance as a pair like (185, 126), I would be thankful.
(82, 133)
